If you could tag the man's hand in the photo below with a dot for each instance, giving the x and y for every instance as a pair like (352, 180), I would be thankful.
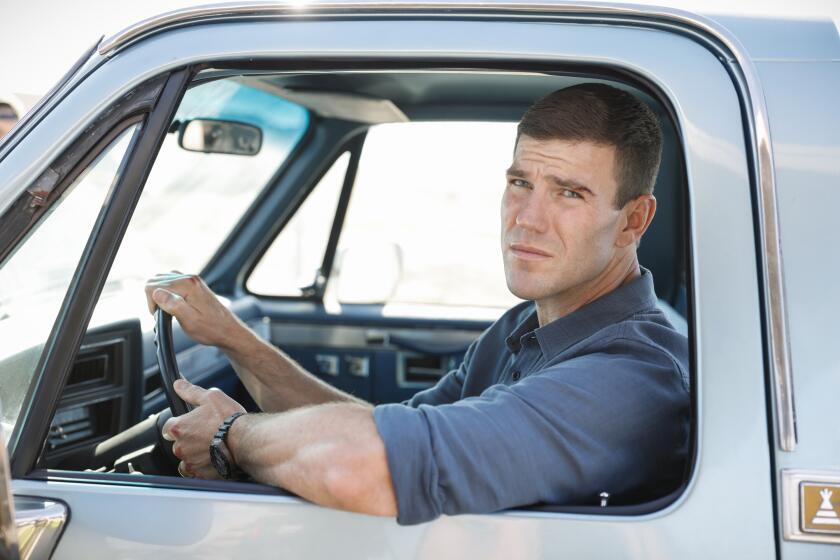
(202, 316)
(193, 432)
(331, 454)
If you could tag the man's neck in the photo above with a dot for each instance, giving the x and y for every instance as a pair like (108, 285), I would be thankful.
(560, 305)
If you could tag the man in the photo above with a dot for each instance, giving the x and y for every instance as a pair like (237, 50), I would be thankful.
(8, 118)
(580, 390)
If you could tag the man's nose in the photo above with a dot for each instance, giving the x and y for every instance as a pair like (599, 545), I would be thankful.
(532, 212)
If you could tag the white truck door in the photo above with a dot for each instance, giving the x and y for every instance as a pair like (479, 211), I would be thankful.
(728, 500)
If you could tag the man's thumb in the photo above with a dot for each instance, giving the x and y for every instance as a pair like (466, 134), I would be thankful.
(166, 300)
(189, 392)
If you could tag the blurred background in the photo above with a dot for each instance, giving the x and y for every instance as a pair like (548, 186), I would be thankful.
(41, 39)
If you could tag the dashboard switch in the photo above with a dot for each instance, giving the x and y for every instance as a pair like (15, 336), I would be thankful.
(327, 364)
(358, 366)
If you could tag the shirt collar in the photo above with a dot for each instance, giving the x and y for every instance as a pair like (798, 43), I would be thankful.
(633, 297)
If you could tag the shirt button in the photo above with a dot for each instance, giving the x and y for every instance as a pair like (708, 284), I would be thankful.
(532, 337)
(516, 375)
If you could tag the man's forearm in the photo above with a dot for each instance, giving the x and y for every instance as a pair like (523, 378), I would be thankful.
(275, 381)
(330, 454)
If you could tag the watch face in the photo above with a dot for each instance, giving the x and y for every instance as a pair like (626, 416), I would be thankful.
(217, 457)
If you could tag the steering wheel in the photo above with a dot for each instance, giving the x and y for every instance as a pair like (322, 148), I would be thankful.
(165, 350)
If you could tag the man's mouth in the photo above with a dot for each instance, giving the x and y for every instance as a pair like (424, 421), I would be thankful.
(528, 252)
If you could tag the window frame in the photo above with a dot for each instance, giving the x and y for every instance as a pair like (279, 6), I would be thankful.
(154, 114)
(686, 242)
(315, 291)
(241, 275)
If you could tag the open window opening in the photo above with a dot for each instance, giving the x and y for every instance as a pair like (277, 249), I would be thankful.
(264, 163)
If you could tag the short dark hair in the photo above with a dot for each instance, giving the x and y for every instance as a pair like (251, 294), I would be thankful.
(6, 112)
(604, 115)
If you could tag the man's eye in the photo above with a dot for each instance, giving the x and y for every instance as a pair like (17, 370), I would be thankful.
(571, 194)
(518, 183)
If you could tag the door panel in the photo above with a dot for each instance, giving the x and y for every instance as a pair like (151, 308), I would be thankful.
(374, 361)
(141, 522)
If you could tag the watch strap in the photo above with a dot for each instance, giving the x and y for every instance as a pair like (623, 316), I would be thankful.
(221, 433)
(220, 437)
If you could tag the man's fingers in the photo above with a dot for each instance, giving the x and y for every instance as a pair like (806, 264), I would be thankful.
(190, 470)
(166, 431)
(192, 394)
(151, 287)
(150, 302)
(207, 472)
(174, 282)
(170, 302)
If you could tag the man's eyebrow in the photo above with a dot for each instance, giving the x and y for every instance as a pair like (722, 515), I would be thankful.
(571, 184)
(559, 181)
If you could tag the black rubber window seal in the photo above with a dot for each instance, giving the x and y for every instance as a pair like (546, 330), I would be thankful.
(66, 336)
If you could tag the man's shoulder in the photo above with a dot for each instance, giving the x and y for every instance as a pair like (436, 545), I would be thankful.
(646, 336)
(652, 328)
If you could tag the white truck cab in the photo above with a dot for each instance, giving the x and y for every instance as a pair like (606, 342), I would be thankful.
(741, 250)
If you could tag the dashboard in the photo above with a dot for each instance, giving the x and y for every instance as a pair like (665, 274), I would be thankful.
(114, 386)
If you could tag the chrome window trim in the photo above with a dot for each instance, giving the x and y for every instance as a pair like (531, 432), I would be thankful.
(730, 51)
(26, 120)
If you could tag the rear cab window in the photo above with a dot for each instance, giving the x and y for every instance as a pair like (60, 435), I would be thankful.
(423, 214)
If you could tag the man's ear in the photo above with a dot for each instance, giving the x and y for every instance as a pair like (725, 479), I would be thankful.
(638, 213)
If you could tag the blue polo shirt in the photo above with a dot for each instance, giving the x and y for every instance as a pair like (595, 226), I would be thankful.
(595, 401)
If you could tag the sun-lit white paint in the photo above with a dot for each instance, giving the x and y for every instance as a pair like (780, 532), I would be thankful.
(40, 39)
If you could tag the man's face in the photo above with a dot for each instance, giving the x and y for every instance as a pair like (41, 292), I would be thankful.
(6, 125)
(8, 118)
(559, 220)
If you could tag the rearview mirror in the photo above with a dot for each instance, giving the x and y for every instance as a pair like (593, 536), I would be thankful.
(220, 137)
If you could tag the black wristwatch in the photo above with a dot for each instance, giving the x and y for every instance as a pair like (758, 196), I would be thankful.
(220, 454)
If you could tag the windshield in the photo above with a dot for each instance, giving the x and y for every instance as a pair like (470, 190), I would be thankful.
(192, 200)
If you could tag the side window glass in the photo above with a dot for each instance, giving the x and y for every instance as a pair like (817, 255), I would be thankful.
(424, 214)
(293, 259)
(32, 287)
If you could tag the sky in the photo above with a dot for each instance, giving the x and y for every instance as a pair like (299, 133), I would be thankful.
(41, 39)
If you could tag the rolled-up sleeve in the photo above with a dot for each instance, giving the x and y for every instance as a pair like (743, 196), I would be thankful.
(600, 422)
